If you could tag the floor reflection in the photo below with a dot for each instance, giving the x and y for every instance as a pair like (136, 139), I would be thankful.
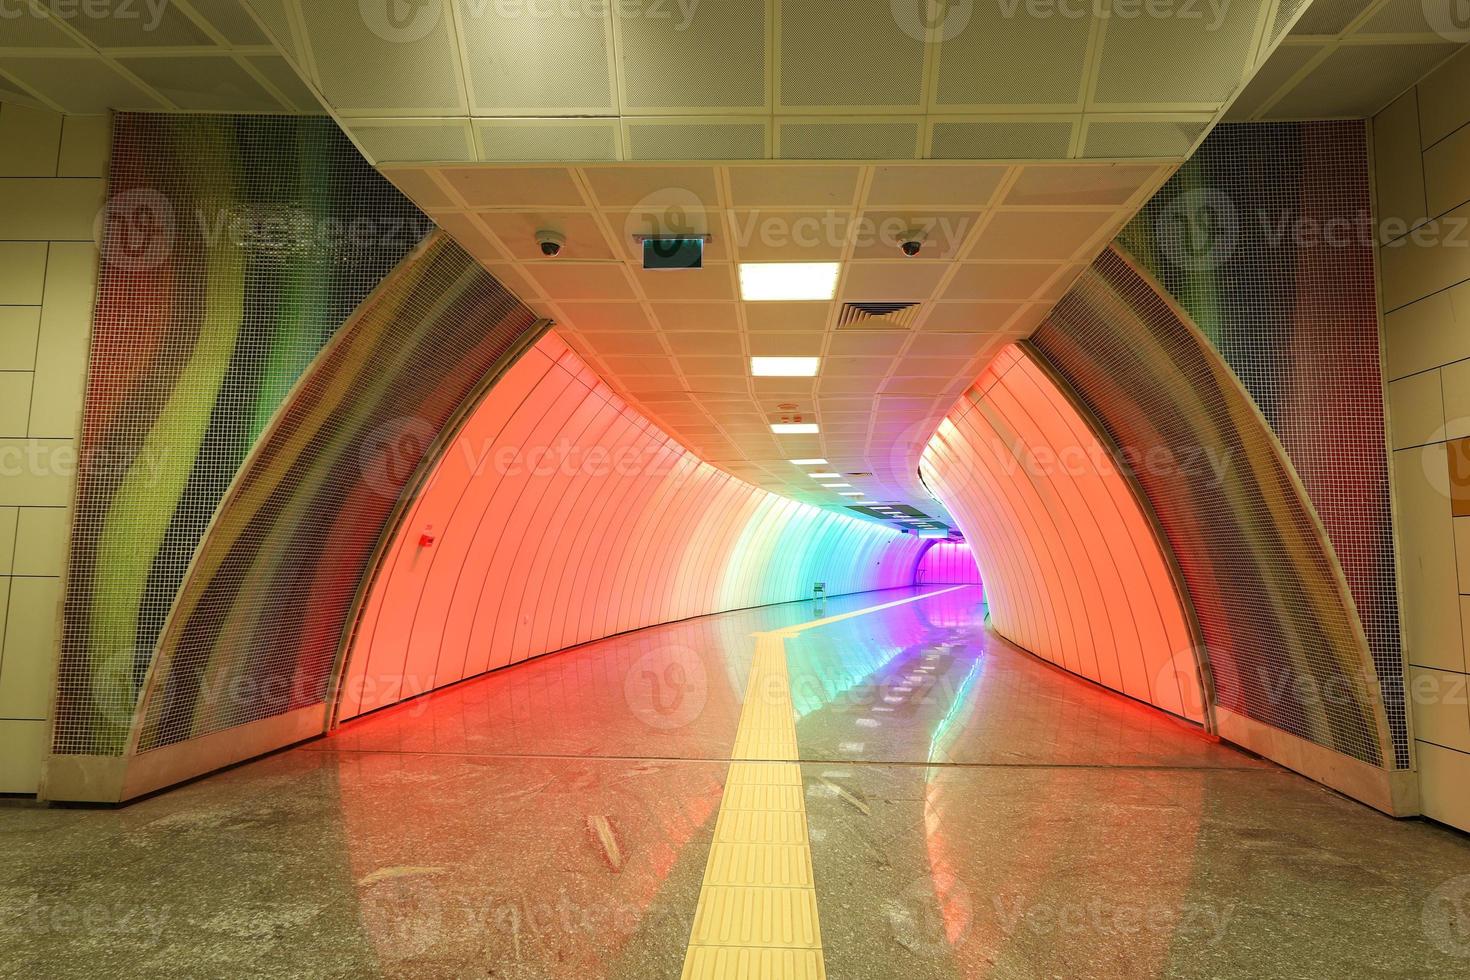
(972, 812)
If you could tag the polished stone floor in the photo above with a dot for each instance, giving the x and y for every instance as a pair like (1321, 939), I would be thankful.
(972, 813)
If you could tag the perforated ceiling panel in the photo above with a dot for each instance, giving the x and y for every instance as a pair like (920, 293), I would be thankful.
(695, 57)
(208, 55)
(1350, 57)
(1000, 245)
(993, 61)
(858, 57)
(553, 64)
(1159, 59)
(980, 81)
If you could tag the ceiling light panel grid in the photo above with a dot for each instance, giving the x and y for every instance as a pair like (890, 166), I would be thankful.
(183, 55)
(999, 245)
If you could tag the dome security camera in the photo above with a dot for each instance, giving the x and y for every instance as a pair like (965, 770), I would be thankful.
(911, 247)
(551, 243)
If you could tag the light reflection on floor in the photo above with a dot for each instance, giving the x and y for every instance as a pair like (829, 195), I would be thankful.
(972, 811)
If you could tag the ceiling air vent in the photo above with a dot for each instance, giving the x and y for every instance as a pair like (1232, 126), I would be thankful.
(877, 316)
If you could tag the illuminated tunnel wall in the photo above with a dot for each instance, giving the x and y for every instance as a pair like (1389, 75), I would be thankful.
(947, 562)
(1073, 569)
(559, 515)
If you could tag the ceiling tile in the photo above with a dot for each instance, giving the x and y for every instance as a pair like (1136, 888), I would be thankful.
(917, 185)
(789, 236)
(713, 282)
(680, 317)
(581, 280)
(1088, 184)
(670, 190)
(786, 186)
(880, 234)
(705, 343)
(786, 316)
(602, 316)
(1019, 235)
(891, 281)
(967, 318)
(518, 231)
(514, 187)
(785, 344)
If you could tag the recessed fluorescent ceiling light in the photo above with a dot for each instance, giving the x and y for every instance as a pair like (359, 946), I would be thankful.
(846, 493)
(784, 367)
(810, 462)
(764, 281)
(834, 486)
(794, 428)
(864, 503)
(824, 476)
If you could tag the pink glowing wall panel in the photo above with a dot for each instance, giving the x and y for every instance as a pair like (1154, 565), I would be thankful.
(947, 562)
(1073, 570)
(559, 515)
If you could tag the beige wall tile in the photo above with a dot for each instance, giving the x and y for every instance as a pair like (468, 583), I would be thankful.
(36, 472)
(1441, 706)
(1443, 105)
(29, 141)
(1447, 172)
(19, 326)
(40, 541)
(15, 402)
(66, 326)
(53, 209)
(20, 763)
(1426, 541)
(1398, 165)
(1433, 257)
(8, 518)
(29, 653)
(22, 273)
(1454, 384)
(86, 146)
(1462, 553)
(1444, 784)
(1415, 410)
(1426, 334)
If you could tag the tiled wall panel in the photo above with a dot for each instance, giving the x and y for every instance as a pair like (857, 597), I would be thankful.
(1423, 184)
(51, 186)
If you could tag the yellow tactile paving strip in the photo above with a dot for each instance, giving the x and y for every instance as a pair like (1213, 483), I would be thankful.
(757, 912)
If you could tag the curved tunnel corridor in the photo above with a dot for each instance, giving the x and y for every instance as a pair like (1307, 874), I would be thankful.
(507, 490)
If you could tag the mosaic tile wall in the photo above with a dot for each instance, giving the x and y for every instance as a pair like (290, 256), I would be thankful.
(1282, 639)
(270, 596)
(1265, 238)
(233, 247)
